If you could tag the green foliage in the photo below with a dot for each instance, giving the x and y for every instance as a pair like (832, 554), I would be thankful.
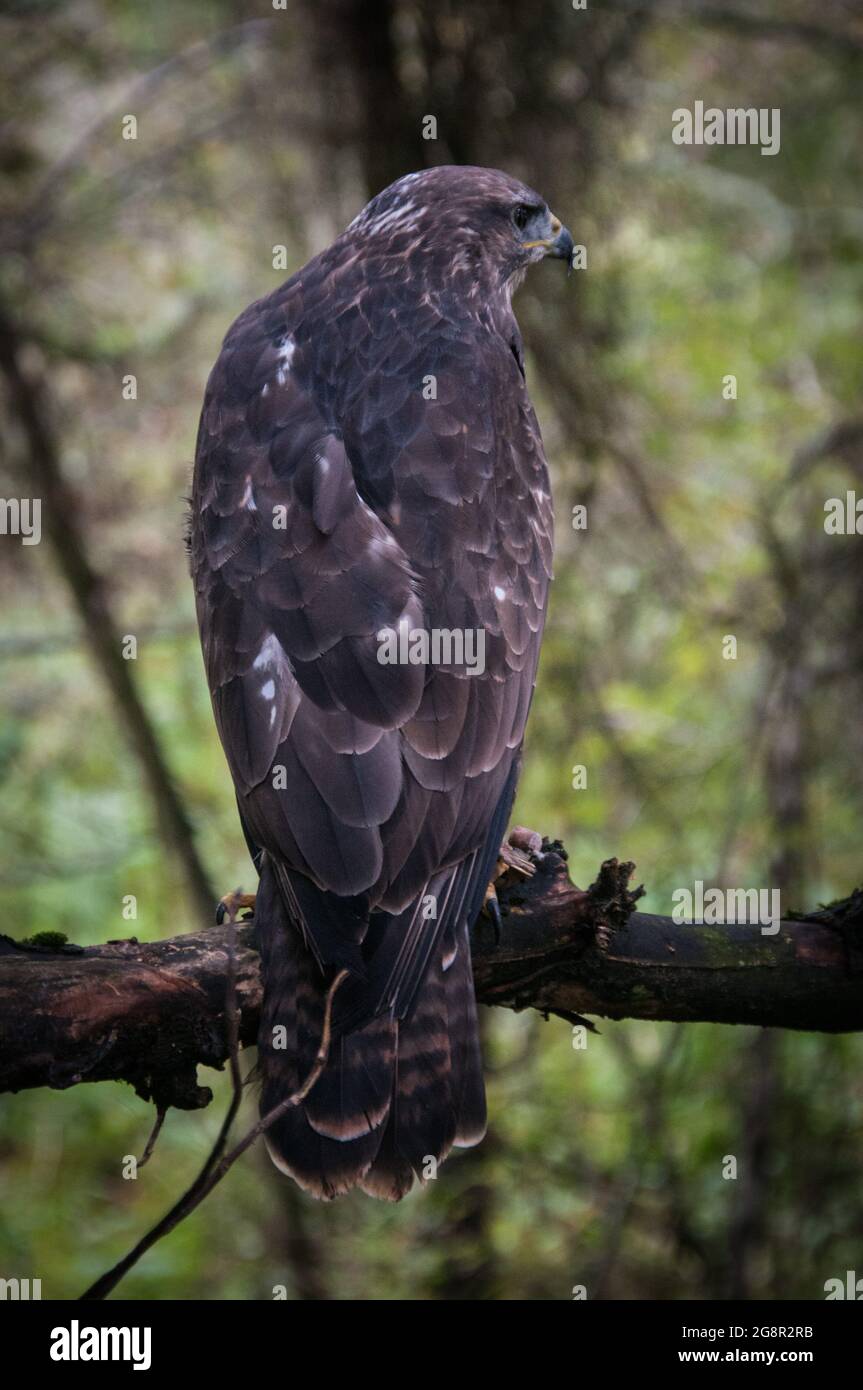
(46, 940)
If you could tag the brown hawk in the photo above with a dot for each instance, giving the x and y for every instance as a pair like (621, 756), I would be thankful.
(371, 542)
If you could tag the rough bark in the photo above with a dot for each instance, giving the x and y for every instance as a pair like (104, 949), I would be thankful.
(151, 1013)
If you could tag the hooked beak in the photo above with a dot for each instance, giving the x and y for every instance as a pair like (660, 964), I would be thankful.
(559, 244)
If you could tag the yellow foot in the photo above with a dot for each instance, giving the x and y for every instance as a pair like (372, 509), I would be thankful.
(232, 905)
(516, 852)
(513, 858)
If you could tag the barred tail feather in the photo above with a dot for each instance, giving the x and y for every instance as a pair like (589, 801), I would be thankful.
(326, 1143)
(438, 1090)
(395, 1095)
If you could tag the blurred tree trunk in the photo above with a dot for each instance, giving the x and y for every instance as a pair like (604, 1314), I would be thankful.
(31, 407)
(786, 769)
(362, 103)
(296, 1240)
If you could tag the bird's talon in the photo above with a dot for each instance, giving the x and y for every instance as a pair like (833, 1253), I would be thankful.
(233, 904)
(491, 907)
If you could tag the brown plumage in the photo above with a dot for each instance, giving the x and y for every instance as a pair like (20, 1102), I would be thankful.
(368, 457)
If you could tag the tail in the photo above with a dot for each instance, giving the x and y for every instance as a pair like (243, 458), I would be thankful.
(395, 1094)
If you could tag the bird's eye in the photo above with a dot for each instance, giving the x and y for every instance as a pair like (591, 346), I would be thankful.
(521, 216)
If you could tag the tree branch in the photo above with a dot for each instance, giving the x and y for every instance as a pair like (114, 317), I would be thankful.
(151, 1013)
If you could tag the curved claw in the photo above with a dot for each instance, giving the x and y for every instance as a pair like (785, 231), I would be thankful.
(492, 907)
(232, 904)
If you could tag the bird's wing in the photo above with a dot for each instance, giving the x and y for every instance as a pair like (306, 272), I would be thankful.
(364, 781)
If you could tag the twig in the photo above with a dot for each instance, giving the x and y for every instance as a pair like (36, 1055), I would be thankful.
(213, 1171)
(161, 1112)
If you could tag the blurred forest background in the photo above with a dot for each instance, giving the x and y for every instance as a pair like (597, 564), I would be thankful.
(258, 127)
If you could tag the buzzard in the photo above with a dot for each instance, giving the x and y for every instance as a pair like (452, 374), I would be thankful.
(371, 543)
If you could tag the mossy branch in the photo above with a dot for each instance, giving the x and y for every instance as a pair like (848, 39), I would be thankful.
(151, 1013)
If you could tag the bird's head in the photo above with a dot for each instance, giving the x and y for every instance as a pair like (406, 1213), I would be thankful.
(477, 230)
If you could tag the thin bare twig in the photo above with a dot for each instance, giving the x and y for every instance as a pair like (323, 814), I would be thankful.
(215, 1168)
(161, 1112)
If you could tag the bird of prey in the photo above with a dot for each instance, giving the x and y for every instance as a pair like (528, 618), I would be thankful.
(371, 543)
